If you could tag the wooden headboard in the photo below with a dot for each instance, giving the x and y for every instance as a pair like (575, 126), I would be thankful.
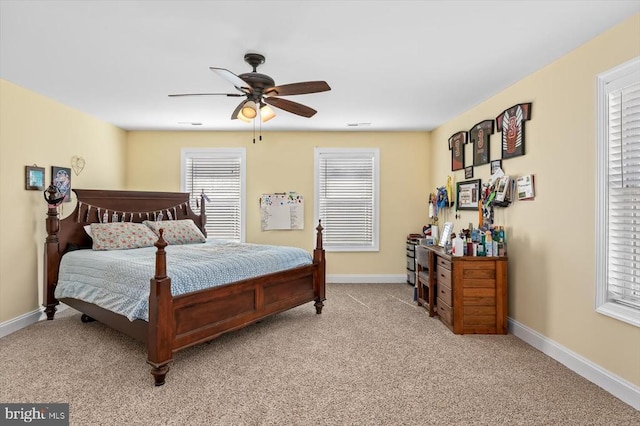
(95, 205)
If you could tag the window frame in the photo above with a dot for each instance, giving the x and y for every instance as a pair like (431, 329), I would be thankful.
(375, 228)
(219, 153)
(606, 83)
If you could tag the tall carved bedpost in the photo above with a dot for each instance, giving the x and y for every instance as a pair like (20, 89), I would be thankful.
(318, 258)
(161, 323)
(51, 253)
(203, 214)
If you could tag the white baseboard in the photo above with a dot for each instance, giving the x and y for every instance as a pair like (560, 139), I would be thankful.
(25, 320)
(366, 278)
(616, 386)
(20, 322)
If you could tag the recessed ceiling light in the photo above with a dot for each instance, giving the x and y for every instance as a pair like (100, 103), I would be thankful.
(190, 122)
(358, 124)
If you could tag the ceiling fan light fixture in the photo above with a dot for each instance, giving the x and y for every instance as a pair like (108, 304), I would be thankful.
(248, 110)
(266, 113)
(241, 117)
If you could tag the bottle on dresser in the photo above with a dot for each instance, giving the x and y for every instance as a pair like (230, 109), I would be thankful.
(458, 246)
(502, 241)
(488, 244)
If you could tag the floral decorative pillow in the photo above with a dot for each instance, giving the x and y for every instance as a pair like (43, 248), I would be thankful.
(182, 231)
(121, 236)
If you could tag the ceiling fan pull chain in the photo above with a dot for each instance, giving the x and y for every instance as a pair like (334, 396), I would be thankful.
(254, 131)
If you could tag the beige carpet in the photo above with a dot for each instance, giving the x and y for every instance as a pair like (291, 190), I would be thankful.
(371, 358)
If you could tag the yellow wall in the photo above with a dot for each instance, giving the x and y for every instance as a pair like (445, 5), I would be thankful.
(35, 129)
(551, 245)
(283, 162)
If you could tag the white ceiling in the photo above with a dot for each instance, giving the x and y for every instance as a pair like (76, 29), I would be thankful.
(399, 65)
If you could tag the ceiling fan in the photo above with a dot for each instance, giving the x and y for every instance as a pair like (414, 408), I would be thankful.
(260, 91)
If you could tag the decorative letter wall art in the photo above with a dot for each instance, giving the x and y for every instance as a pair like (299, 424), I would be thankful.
(511, 123)
(456, 145)
(479, 136)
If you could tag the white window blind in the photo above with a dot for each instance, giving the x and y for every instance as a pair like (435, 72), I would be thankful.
(347, 194)
(619, 180)
(220, 174)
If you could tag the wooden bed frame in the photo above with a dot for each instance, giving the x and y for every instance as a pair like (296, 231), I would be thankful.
(175, 322)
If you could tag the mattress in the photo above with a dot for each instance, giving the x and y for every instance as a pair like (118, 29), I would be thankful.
(118, 280)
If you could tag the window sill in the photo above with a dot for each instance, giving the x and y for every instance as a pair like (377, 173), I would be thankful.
(350, 249)
(620, 312)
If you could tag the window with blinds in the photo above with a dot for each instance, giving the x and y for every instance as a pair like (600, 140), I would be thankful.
(618, 201)
(347, 198)
(220, 174)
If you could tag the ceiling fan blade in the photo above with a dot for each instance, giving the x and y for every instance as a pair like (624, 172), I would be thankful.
(292, 107)
(298, 88)
(237, 82)
(205, 94)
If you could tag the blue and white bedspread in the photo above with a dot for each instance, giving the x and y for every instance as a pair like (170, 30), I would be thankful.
(118, 280)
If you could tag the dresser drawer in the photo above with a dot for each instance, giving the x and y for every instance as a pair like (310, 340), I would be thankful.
(443, 263)
(443, 276)
(444, 293)
(444, 311)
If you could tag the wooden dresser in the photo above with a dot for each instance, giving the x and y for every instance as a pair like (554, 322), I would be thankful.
(471, 292)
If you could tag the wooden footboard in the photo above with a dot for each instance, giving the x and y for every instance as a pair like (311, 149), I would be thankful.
(182, 321)
(177, 322)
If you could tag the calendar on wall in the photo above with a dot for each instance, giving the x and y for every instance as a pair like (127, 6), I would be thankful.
(281, 211)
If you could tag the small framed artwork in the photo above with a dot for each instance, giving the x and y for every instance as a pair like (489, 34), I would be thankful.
(495, 165)
(511, 124)
(468, 172)
(61, 178)
(468, 194)
(456, 145)
(34, 178)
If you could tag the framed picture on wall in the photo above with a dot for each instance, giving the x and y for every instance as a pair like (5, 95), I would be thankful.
(34, 178)
(495, 165)
(511, 124)
(468, 172)
(61, 178)
(468, 194)
(479, 137)
(456, 145)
